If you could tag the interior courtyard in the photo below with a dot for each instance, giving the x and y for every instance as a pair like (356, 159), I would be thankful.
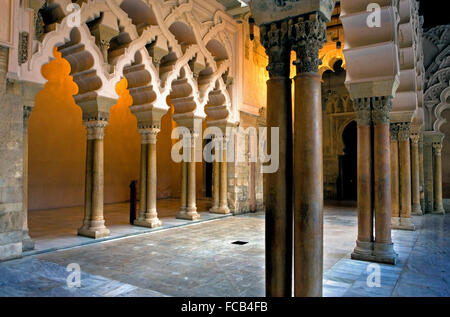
(224, 148)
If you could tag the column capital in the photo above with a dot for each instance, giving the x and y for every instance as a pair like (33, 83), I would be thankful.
(381, 108)
(149, 135)
(274, 38)
(437, 146)
(95, 129)
(415, 138)
(307, 37)
(363, 111)
(404, 131)
(394, 132)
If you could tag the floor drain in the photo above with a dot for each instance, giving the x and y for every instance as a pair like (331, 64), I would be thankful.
(240, 242)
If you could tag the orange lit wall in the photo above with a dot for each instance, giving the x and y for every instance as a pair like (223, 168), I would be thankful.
(57, 147)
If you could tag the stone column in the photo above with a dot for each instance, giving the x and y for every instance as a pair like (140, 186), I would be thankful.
(94, 222)
(383, 247)
(149, 216)
(223, 207)
(307, 37)
(422, 174)
(364, 244)
(395, 176)
(405, 177)
(216, 185)
(439, 206)
(428, 171)
(143, 178)
(190, 212)
(415, 177)
(183, 196)
(27, 243)
(278, 194)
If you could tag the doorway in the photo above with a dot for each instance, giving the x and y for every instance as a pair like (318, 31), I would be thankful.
(348, 173)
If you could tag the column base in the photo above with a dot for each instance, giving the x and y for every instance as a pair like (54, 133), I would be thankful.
(148, 223)
(439, 210)
(213, 210)
(417, 210)
(404, 224)
(189, 214)
(384, 253)
(363, 251)
(395, 222)
(94, 230)
(27, 243)
(221, 210)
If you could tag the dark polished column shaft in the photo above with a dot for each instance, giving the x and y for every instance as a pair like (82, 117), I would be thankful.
(278, 189)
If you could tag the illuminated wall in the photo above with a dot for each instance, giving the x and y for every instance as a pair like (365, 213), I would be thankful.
(57, 147)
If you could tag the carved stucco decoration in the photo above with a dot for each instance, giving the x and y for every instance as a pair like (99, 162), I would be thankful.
(220, 27)
(437, 79)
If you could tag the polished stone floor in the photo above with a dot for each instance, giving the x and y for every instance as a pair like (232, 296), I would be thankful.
(201, 260)
(56, 229)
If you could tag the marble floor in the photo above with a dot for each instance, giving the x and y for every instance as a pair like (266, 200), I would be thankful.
(56, 229)
(201, 260)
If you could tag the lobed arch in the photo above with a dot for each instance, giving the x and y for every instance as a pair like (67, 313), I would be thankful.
(443, 106)
(211, 49)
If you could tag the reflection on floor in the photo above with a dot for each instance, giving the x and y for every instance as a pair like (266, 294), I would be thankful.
(200, 260)
(56, 229)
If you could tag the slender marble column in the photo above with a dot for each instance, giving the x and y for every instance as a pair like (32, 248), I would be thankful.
(223, 207)
(307, 37)
(415, 177)
(216, 183)
(94, 222)
(143, 180)
(422, 174)
(149, 218)
(364, 244)
(395, 176)
(428, 172)
(190, 212)
(27, 243)
(278, 186)
(405, 177)
(383, 247)
(439, 206)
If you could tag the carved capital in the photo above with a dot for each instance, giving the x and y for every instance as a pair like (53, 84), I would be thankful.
(394, 132)
(381, 109)
(274, 38)
(95, 129)
(437, 146)
(363, 110)
(404, 131)
(307, 38)
(24, 38)
(149, 135)
(415, 139)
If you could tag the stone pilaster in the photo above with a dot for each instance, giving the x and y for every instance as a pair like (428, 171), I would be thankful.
(94, 222)
(307, 35)
(148, 216)
(278, 190)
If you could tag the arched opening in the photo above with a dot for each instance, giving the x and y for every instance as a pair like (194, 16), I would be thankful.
(348, 176)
